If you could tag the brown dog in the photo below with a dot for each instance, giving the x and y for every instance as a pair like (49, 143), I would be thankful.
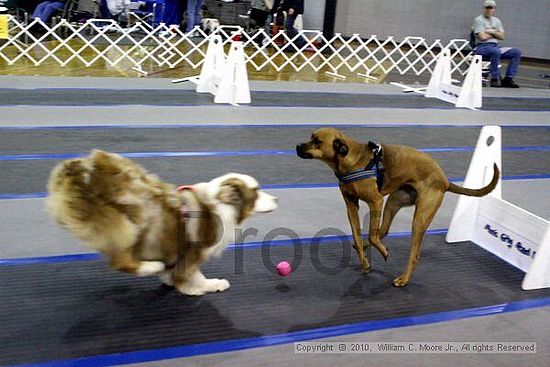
(368, 172)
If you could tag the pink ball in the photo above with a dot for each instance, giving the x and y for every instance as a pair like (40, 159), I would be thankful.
(284, 268)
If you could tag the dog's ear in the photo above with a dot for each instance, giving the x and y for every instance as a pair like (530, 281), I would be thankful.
(229, 194)
(339, 147)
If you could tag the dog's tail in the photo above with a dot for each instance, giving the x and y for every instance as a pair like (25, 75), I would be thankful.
(79, 200)
(477, 192)
(68, 200)
(72, 199)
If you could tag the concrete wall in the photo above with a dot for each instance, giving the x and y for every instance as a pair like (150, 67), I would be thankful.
(314, 14)
(526, 22)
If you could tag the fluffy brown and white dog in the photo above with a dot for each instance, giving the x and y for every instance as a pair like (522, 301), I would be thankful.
(145, 226)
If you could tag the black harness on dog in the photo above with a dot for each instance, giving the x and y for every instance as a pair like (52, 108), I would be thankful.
(374, 168)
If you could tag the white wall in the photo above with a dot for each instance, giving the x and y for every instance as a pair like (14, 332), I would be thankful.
(526, 22)
(314, 14)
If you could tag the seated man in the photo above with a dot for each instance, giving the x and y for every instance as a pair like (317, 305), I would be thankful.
(115, 9)
(293, 8)
(488, 31)
(259, 12)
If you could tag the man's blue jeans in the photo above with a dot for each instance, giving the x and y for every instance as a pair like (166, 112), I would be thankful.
(46, 9)
(170, 13)
(292, 32)
(193, 14)
(491, 52)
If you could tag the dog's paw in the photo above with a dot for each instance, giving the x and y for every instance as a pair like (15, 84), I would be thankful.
(386, 255)
(365, 264)
(206, 286)
(167, 278)
(150, 268)
(217, 285)
(192, 291)
(400, 281)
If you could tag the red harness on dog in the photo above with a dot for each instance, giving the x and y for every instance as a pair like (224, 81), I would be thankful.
(184, 210)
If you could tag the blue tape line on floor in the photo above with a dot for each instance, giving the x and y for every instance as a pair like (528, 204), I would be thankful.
(292, 337)
(238, 153)
(541, 176)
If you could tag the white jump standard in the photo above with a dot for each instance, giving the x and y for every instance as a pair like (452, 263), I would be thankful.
(515, 235)
(441, 84)
(225, 78)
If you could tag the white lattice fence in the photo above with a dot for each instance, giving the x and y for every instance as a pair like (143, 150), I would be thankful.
(105, 41)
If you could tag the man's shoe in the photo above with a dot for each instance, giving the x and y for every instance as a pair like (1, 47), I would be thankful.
(494, 83)
(509, 83)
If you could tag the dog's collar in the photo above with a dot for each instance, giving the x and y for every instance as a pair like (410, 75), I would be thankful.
(184, 208)
(185, 187)
(374, 168)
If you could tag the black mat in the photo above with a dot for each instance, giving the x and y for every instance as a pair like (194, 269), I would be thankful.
(146, 139)
(95, 97)
(69, 310)
(285, 169)
(32, 175)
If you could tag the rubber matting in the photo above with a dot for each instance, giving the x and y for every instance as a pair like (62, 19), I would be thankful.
(69, 310)
(166, 139)
(268, 170)
(101, 97)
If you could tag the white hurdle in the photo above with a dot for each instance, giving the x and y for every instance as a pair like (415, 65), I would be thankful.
(441, 86)
(234, 87)
(224, 77)
(515, 235)
(213, 67)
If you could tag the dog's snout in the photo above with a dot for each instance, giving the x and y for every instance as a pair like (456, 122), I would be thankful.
(301, 151)
(265, 203)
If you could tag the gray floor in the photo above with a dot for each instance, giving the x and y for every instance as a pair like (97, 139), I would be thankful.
(520, 326)
(37, 82)
(26, 231)
(290, 99)
(324, 209)
(21, 116)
